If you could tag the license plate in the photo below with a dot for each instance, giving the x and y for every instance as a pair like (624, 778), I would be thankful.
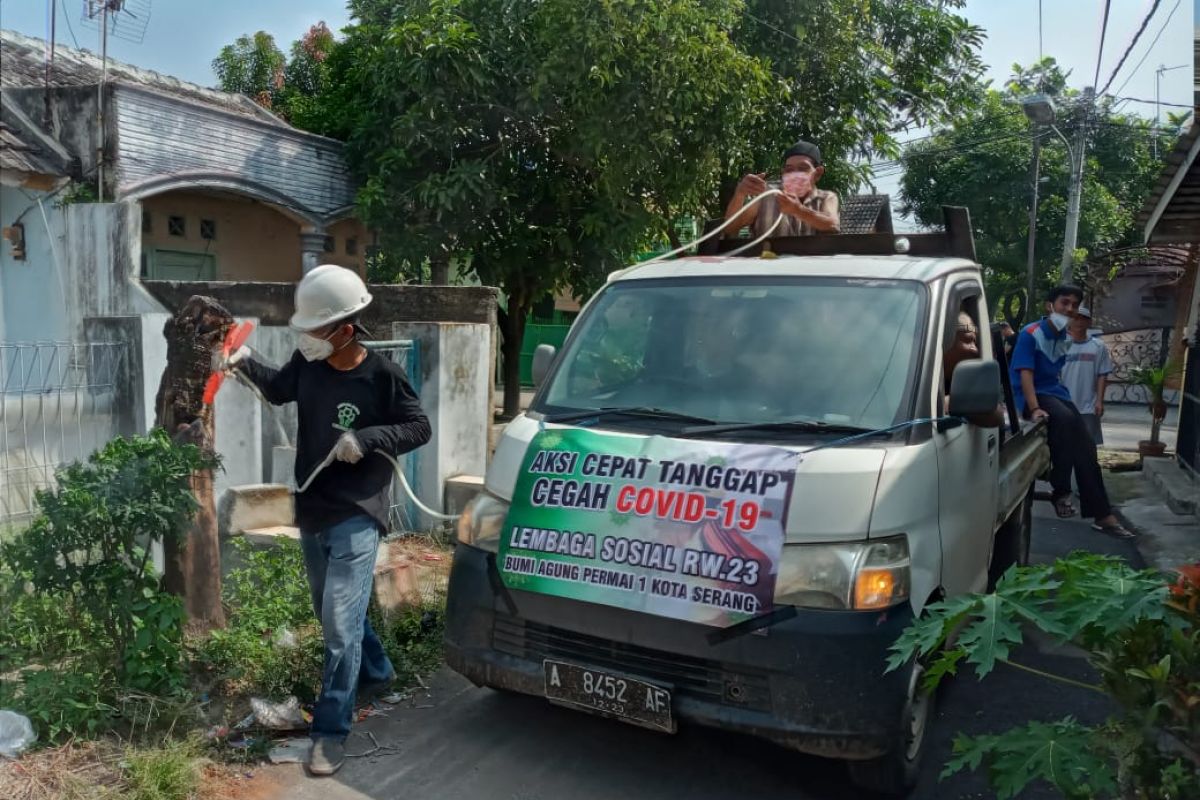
(609, 695)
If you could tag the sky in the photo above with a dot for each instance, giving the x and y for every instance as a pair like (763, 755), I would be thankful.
(183, 36)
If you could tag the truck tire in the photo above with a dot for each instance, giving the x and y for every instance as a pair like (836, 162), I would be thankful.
(1012, 541)
(896, 772)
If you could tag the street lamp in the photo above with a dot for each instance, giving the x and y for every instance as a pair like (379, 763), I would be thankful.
(1039, 108)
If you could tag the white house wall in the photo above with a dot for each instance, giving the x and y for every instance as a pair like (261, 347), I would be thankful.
(34, 292)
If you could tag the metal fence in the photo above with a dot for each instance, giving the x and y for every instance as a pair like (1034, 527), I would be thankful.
(1130, 350)
(58, 404)
(402, 514)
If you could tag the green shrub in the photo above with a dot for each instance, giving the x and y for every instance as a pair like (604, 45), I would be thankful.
(268, 601)
(1142, 638)
(171, 772)
(412, 638)
(83, 603)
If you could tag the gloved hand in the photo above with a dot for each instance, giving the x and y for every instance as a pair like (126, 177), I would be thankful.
(348, 448)
(222, 364)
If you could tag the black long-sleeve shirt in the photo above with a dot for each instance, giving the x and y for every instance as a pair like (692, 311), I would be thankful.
(375, 401)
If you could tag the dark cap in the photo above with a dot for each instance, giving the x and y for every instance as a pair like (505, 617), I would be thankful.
(804, 149)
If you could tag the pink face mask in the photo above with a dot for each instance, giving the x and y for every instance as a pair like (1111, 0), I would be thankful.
(798, 184)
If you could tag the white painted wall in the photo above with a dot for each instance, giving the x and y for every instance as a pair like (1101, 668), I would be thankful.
(455, 394)
(34, 294)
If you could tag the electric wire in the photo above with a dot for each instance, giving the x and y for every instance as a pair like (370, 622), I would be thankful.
(1103, 32)
(1150, 49)
(1141, 29)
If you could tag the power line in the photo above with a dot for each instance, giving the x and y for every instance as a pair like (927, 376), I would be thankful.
(67, 17)
(1150, 49)
(1103, 33)
(1141, 29)
(1152, 102)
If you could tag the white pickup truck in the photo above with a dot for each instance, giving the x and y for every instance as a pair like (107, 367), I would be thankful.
(830, 351)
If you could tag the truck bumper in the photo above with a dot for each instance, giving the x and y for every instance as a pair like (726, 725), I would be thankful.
(814, 682)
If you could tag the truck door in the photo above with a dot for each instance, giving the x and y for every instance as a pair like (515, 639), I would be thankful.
(968, 460)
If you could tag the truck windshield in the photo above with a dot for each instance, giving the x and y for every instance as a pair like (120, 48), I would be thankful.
(744, 351)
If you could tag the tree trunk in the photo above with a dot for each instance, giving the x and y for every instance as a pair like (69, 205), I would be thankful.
(193, 562)
(513, 328)
(439, 269)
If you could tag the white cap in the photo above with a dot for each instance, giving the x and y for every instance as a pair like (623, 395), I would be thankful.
(327, 294)
(1083, 311)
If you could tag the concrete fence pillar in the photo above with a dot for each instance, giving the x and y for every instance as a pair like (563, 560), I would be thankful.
(455, 388)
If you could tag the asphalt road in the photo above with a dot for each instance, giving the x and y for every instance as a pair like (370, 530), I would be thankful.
(463, 743)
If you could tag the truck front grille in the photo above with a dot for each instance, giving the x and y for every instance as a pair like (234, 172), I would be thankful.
(693, 677)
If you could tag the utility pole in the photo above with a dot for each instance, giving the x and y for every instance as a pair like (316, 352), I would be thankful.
(1078, 155)
(1034, 171)
(1158, 73)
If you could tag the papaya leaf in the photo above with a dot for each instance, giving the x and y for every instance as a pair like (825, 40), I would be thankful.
(1069, 756)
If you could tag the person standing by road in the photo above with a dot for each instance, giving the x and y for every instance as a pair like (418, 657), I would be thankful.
(351, 402)
(1037, 362)
(1086, 371)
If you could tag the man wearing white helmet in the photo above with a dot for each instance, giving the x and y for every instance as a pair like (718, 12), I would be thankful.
(352, 402)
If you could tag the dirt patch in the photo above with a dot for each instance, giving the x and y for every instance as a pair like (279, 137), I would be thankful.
(230, 783)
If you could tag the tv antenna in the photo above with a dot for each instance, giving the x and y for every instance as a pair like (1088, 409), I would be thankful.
(121, 19)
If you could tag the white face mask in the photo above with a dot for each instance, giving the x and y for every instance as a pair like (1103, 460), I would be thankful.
(314, 348)
(1059, 321)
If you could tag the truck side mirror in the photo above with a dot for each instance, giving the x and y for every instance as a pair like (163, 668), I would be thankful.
(975, 388)
(543, 358)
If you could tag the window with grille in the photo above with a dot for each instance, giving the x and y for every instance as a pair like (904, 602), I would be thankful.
(208, 229)
(176, 226)
(329, 244)
(351, 246)
(147, 227)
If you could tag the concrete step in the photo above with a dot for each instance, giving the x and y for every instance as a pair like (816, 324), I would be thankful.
(1180, 488)
(255, 506)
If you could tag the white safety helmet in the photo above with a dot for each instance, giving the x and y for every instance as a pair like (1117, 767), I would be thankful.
(327, 294)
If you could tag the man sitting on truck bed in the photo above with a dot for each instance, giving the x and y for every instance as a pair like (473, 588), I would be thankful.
(805, 208)
(1037, 361)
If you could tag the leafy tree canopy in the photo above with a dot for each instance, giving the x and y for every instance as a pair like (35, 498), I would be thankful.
(982, 160)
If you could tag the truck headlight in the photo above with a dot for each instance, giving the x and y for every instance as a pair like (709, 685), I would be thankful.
(862, 576)
(481, 522)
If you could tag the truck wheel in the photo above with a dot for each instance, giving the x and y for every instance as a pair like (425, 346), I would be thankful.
(1012, 541)
(896, 772)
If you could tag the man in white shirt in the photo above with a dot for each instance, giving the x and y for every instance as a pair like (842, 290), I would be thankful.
(1086, 372)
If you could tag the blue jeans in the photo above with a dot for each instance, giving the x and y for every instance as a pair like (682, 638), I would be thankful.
(340, 562)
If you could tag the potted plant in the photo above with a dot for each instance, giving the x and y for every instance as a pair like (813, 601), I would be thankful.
(1154, 380)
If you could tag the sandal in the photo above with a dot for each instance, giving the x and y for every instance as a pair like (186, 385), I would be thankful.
(1115, 531)
(1064, 507)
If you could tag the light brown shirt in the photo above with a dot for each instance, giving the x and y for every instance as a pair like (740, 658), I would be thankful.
(768, 211)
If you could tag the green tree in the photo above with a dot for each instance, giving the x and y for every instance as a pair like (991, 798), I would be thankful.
(306, 79)
(851, 74)
(540, 144)
(983, 161)
(252, 66)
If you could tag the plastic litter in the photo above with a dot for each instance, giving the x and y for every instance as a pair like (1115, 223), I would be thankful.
(16, 733)
(394, 698)
(285, 716)
(285, 639)
(290, 751)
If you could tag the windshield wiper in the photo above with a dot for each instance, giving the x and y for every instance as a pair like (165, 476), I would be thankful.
(632, 411)
(807, 425)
